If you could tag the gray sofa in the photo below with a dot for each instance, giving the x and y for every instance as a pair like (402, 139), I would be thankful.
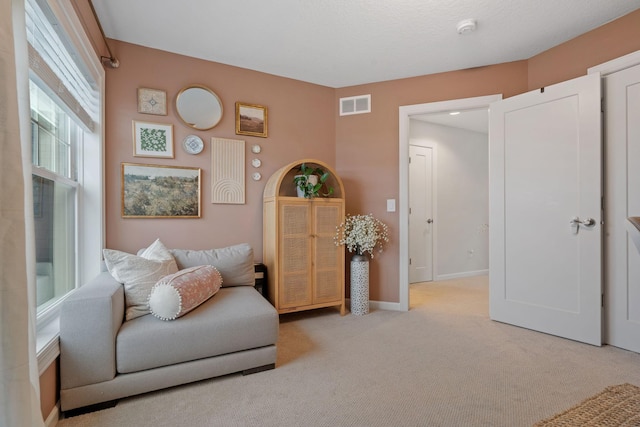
(104, 358)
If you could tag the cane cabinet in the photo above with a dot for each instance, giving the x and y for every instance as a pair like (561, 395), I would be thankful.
(306, 268)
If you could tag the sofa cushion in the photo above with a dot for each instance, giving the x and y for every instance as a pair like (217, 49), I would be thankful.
(139, 274)
(179, 293)
(157, 251)
(235, 319)
(235, 263)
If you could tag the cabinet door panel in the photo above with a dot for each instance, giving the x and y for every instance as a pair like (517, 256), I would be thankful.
(326, 253)
(295, 278)
(328, 216)
(296, 290)
(326, 288)
(328, 258)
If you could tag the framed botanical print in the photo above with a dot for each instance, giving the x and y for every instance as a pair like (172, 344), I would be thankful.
(152, 140)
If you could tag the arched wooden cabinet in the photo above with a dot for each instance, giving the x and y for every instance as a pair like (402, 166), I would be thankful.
(306, 268)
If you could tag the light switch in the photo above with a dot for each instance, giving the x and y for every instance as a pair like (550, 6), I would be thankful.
(391, 205)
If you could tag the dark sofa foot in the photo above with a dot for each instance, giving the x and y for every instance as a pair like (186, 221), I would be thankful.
(259, 369)
(90, 408)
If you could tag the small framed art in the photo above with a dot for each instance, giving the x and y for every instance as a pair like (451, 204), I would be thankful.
(152, 140)
(152, 101)
(155, 191)
(251, 120)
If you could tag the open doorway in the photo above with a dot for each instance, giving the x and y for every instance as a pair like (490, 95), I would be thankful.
(453, 186)
(438, 112)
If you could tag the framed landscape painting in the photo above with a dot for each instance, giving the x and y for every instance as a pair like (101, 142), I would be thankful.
(152, 140)
(155, 191)
(251, 120)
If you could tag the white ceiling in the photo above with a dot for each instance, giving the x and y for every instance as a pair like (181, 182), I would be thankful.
(340, 43)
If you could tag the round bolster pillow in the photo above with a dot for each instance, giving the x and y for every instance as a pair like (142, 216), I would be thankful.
(177, 294)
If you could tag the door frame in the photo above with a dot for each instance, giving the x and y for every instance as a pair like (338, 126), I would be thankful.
(434, 205)
(610, 67)
(405, 112)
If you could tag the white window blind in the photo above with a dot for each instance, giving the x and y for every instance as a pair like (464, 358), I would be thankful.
(53, 61)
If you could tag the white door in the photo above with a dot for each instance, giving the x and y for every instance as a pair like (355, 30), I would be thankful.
(545, 183)
(622, 195)
(420, 214)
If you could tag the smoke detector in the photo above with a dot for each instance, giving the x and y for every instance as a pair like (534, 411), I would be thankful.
(466, 26)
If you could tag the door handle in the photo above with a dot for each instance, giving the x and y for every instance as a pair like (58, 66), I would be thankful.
(589, 222)
(429, 221)
(577, 222)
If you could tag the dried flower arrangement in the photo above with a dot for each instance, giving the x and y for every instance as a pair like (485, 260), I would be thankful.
(361, 234)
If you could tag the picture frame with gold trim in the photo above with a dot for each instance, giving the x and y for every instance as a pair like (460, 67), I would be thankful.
(152, 140)
(160, 191)
(251, 119)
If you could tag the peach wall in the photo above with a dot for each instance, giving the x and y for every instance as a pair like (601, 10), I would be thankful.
(300, 124)
(49, 386)
(573, 58)
(367, 147)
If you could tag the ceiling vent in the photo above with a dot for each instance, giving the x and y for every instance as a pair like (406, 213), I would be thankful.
(355, 105)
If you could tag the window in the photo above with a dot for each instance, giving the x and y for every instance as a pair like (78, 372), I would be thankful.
(55, 138)
(66, 86)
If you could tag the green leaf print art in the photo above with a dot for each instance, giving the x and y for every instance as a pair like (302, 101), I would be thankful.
(153, 140)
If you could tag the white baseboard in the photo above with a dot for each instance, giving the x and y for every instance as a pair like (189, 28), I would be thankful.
(463, 274)
(54, 417)
(380, 305)
(384, 305)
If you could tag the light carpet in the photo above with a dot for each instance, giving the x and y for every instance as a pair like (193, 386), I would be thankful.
(443, 363)
(618, 405)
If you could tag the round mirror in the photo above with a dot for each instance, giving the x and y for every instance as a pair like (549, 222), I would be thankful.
(199, 107)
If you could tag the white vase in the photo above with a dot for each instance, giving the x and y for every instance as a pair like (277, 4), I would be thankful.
(359, 284)
(313, 179)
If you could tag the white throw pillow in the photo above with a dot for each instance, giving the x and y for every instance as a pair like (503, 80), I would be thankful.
(139, 274)
(158, 252)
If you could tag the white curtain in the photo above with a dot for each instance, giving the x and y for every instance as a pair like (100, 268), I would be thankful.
(19, 388)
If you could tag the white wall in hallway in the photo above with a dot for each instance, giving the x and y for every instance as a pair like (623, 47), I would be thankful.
(462, 198)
